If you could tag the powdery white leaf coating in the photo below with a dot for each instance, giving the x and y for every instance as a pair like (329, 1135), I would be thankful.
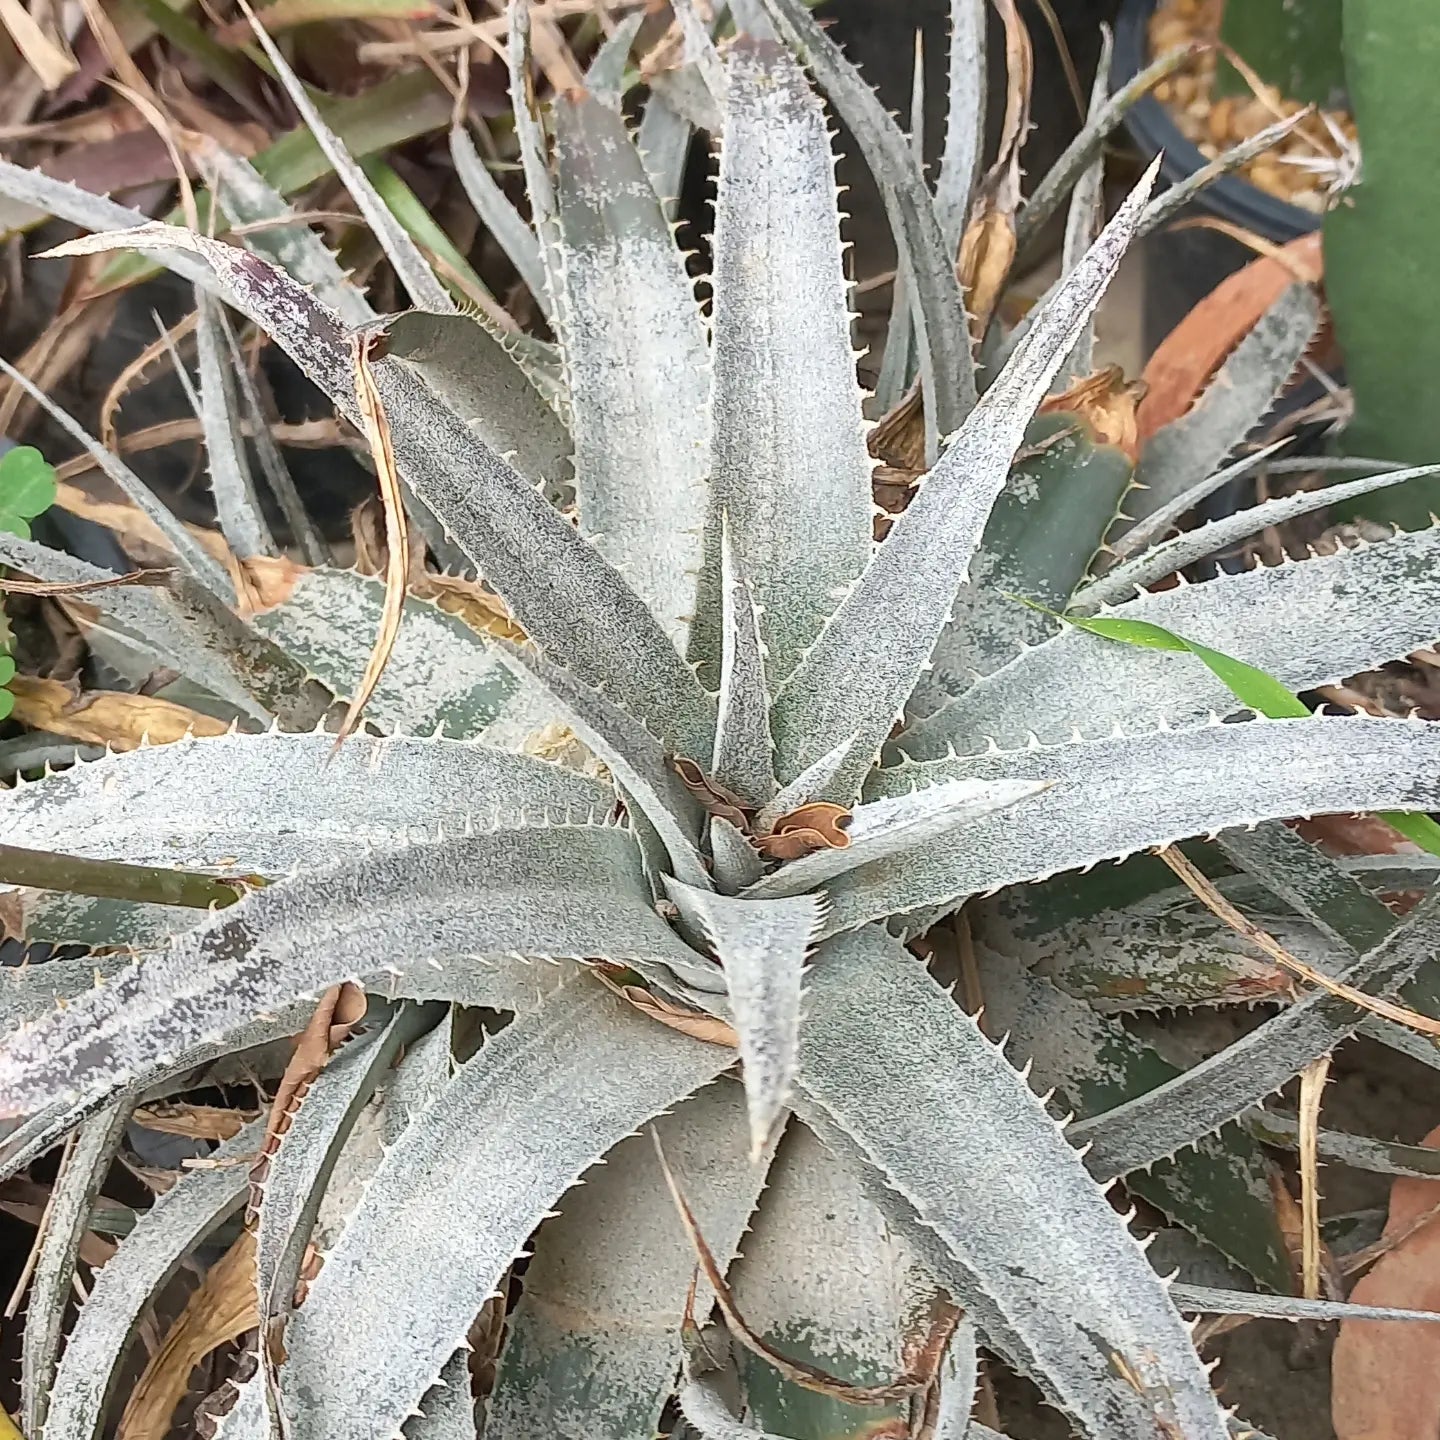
(593, 1344)
(1203, 1300)
(1116, 796)
(460, 1191)
(448, 1410)
(232, 483)
(963, 150)
(163, 1238)
(790, 471)
(498, 215)
(761, 946)
(1172, 556)
(1307, 623)
(298, 1172)
(635, 757)
(248, 198)
(911, 1079)
(636, 362)
(434, 910)
(1188, 449)
(704, 1407)
(743, 758)
(1224, 1085)
(823, 1277)
(886, 828)
(269, 803)
(441, 675)
(861, 670)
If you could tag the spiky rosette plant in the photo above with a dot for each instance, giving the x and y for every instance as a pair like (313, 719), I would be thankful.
(681, 525)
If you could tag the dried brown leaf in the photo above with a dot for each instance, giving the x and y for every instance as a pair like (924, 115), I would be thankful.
(716, 799)
(1385, 1378)
(221, 1310)
(193, 1122)
(106, 717)
(820, 825)
(46, 53)
(1108, 403)
(694, 1023)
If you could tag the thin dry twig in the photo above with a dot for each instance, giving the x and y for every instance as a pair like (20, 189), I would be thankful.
(397, 535)
(1312, 1087)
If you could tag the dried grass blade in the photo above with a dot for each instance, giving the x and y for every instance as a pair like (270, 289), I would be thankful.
(1312, 1087)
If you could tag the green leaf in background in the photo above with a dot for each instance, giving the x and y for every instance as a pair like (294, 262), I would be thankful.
(1261, 692)
(27, 488)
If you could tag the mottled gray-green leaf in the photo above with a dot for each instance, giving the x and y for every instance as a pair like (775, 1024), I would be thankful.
(872, 651)
(936, 1108)
(461, 1190)
(442, 675)
(594, 1343)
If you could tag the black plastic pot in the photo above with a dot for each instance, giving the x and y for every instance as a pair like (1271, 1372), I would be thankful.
(1183, 266)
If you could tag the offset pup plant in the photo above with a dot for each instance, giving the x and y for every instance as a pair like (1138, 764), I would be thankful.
(678, 513)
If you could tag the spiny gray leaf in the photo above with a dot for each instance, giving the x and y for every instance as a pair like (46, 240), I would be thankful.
(299, 1170)
(1159, 1122)
(190, 552)
(743, 749)
(635, 757)
(269, 803)
(237, 501)
(530, 138)
(499, 216)
(890, 827)
(1202, 1300)
(1307, 623)
(1244, 388)
(636, 361)
(1360, 1152)
(147, 613)
(442, 675)
(553, 892)
(247, 198)
(870, 654)
(605, 75)
(963, 151)
(812, 783)
(1174, 555)
(1087, 207)
(734, 857)
(464, 1186)
(761, 946)
(448, 1410)
(563, 593)
(1116, 796)
(91, 212)
(789, 468)
(593, 1344)
(149, 1256)
(955, 1130)
(77, 1184)
(946, 363)
(473, 371)
(403, 254)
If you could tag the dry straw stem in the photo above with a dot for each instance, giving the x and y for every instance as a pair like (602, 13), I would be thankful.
(1312, 1087)
(1222, 908)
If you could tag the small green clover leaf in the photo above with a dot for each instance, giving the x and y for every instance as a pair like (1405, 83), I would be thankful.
(27, 488)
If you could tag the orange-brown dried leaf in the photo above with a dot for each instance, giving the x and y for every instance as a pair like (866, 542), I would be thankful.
(716, 799)
(1195, 349)
(987, 251)
(193, 1122)
(817, 826)
(106, 717)
(1108, 403)
(1385, 1377)
(695, 1023)
(221, 1310)
(264, 581)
